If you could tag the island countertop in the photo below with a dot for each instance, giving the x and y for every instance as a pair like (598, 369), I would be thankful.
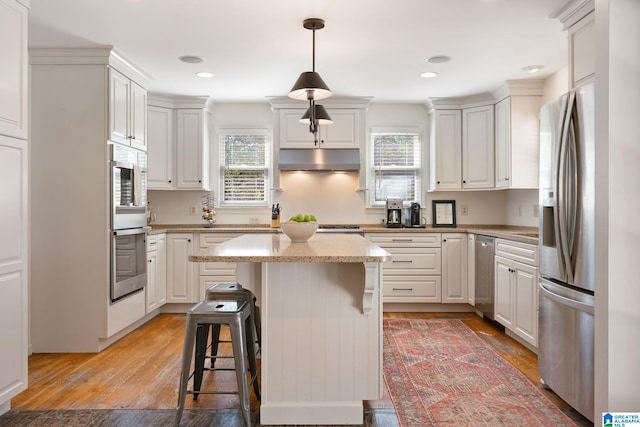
(334, 248)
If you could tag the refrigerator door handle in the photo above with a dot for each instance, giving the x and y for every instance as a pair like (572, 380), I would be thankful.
(562, 183)
(587, 308)
(574, 179)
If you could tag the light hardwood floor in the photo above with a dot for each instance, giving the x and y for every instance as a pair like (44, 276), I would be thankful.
(141, 372)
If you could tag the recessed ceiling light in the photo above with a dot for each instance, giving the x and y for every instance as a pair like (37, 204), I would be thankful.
(533, 68)
(204, 74)
(428, 74)
(190, 59)
(438, 59)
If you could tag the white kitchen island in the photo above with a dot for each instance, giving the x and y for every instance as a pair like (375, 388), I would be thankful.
(321, 323)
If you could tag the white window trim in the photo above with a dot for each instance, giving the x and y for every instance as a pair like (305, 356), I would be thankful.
(417, 129)
(219, 165)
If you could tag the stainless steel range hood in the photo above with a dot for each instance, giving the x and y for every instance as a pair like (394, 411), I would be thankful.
(319, 159)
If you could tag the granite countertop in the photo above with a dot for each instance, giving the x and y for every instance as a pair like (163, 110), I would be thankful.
(335, 248)
(519, 234)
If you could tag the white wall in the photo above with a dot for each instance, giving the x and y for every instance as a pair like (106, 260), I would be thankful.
(617, 372)
(333, 197)
(555, 85)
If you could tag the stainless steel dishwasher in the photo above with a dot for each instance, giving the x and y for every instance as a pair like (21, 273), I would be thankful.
(484, 298)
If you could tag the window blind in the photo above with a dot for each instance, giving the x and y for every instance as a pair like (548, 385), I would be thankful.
(244, 157)
(395, 166)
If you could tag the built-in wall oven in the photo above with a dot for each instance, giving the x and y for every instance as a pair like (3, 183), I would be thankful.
(128, 185)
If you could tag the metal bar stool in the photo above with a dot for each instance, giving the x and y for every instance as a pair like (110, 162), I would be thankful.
(233, 291)
(236, 314)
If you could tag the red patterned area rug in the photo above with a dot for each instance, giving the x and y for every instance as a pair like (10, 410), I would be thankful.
(440, 373)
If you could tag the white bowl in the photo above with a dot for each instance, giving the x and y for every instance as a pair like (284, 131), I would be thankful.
(299, 232)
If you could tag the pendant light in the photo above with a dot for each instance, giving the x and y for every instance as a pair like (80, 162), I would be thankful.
(311, 87)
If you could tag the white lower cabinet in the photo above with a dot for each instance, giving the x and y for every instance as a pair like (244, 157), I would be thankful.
(414, 273)
(454, 268)
(212, 273)
(156, 290)
(516, 289)
(181, 273)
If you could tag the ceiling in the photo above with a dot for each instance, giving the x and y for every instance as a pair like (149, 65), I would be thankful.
(257, 48)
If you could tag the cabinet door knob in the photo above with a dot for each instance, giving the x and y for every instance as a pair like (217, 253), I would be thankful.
(188, 240)
(464, 182)
(506, 179)
(169, 181)
(438, 182)
(200, 181)
(444, 240)
(150, 260)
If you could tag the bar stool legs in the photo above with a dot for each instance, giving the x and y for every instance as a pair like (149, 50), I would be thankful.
(237, 315)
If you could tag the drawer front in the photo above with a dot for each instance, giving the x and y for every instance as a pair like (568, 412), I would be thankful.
(390, 240)
(419, 288)
(215, 268)
(208, 240)
(152, 243)
(517, 251)
(413, 261)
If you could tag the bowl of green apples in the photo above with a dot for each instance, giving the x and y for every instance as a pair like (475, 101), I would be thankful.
(300, 227)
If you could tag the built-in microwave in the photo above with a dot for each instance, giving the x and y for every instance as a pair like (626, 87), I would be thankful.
(128, 187)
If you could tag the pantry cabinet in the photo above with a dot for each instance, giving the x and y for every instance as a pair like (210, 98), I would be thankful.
(127, 111)
(516, 289)
(478, 147)
(73, 117)
(178, 153)
(454, 268)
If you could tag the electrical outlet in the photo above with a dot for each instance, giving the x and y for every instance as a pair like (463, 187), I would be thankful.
(536, 211)
(464, 210)
(192, 210)
(254, 220)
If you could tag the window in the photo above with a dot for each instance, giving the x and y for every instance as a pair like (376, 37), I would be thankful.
(244, 170)
(395, 159)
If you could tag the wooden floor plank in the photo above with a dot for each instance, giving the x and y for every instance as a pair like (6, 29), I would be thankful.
(141, 371)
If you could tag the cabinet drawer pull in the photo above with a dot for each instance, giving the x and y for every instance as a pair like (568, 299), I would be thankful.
(402, 289)
(402, 260)
(402, 240)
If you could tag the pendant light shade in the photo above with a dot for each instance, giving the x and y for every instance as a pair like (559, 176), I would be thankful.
(322, 116)
(310, 86)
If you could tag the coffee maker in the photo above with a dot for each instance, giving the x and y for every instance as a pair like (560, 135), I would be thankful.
(412, 216)
(394, 213)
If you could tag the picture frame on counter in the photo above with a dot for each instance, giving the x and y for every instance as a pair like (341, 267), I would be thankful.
(444, 213)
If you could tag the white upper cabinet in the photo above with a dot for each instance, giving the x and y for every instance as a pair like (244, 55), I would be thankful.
(446, 150)
(160, 149)
(344, 132)
(178, 153)
(13, 69)
(578, 18)
(477, 147)
(127, 111)
(517, 133)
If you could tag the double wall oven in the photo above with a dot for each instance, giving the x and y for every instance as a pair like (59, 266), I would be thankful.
(128, 185)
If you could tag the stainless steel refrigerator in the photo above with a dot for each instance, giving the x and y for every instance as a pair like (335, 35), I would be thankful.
(566, 284)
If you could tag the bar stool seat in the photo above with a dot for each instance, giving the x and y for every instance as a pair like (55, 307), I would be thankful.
(235, 291)
(236, 314)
